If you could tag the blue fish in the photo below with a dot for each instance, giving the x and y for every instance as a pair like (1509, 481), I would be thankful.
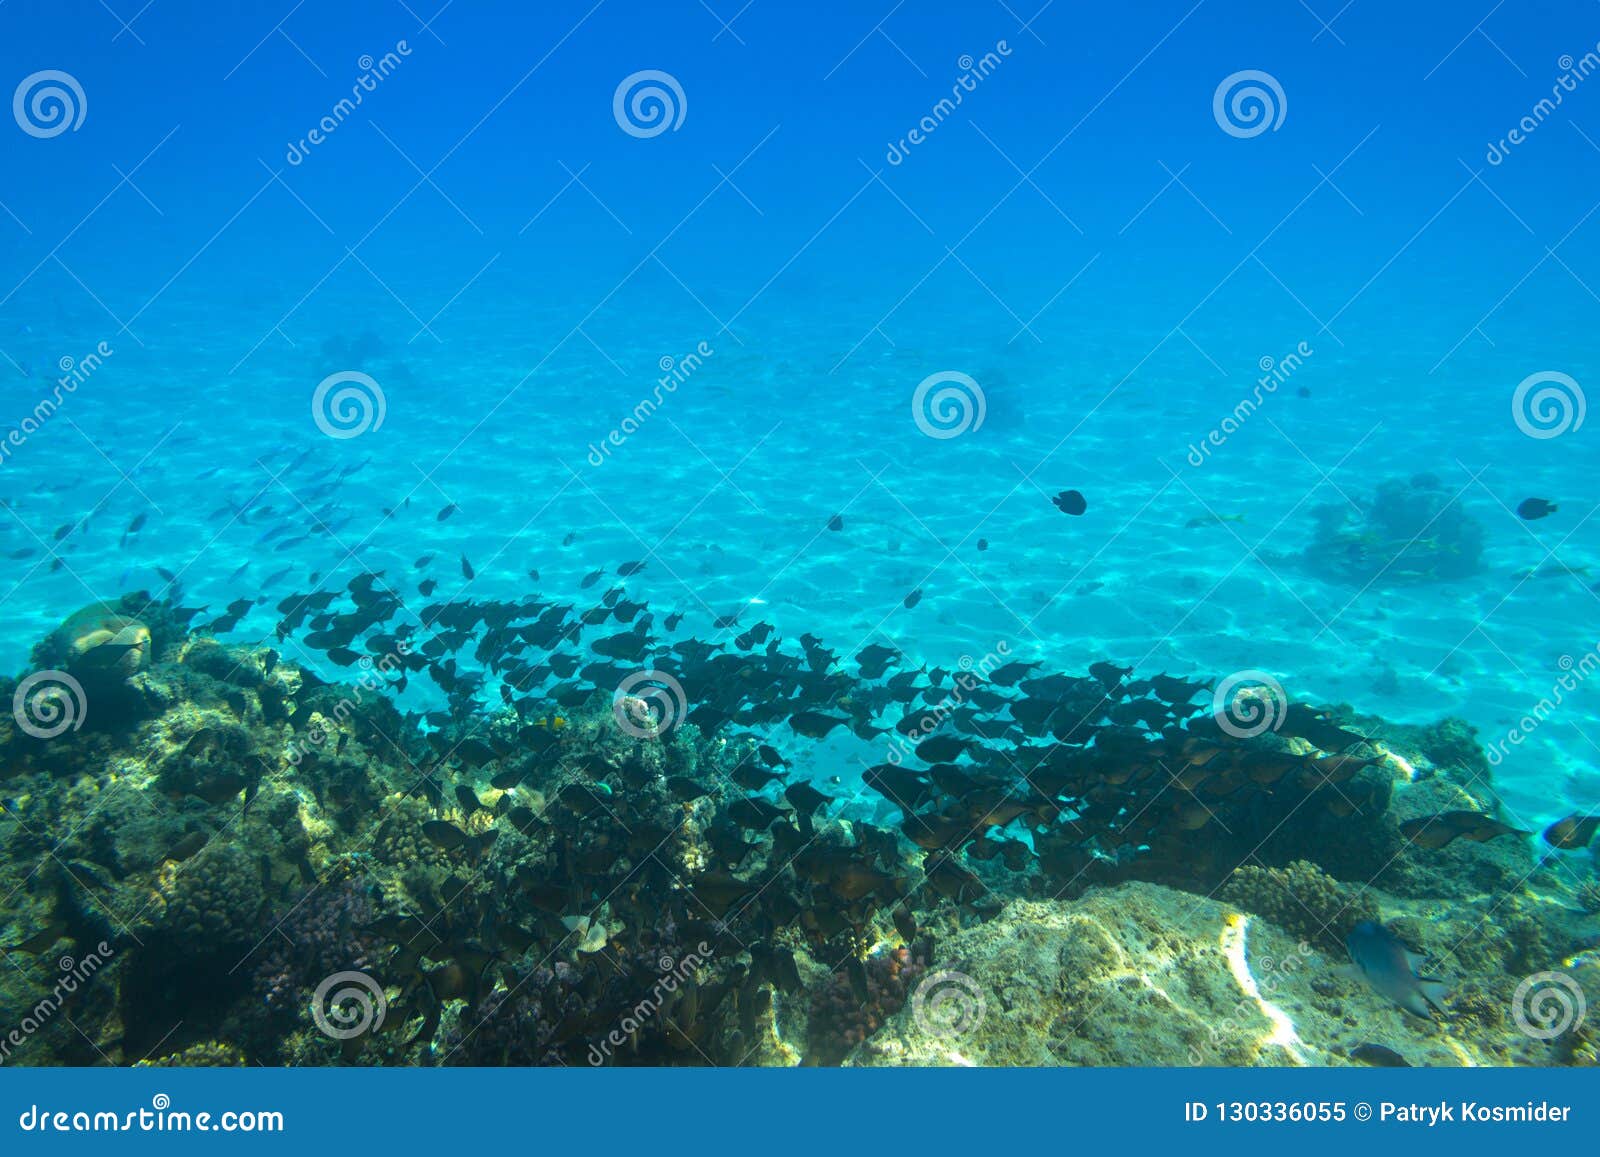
(1391, 969)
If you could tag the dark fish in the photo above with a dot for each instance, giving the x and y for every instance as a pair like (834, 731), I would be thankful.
(805, 798)
(222, 788)
(875, 660)
(940, 748)
(186, 847)
(446, 512)
(1070, 502)
(1379, 1056)
(426, 587)
(756, 814)
(685, 789)
(1174, 691)
(424, 560)
(1316, 725)
(1008, 674)
(913, 598)
(905, 923)
(1572, 833)
(983, 544)
(814, 724)
(753, 778)
(1435, 832)
(466, 569)
(1535, 508)
(1391, 969)
(590, 579)
(446, 835)
(629, 568)
(836, 522)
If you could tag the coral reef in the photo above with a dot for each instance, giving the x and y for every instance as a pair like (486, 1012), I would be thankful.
(256, 859)
(1409, 531)
(858, 999)
(1301, 899)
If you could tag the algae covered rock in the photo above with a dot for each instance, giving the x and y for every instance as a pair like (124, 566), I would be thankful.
(1140, 974)
(100, 640)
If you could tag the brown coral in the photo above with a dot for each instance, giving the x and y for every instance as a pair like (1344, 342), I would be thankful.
(1301, 899)
(100, 640)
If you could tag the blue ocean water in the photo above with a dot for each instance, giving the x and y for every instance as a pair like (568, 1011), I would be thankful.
(692, 330)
